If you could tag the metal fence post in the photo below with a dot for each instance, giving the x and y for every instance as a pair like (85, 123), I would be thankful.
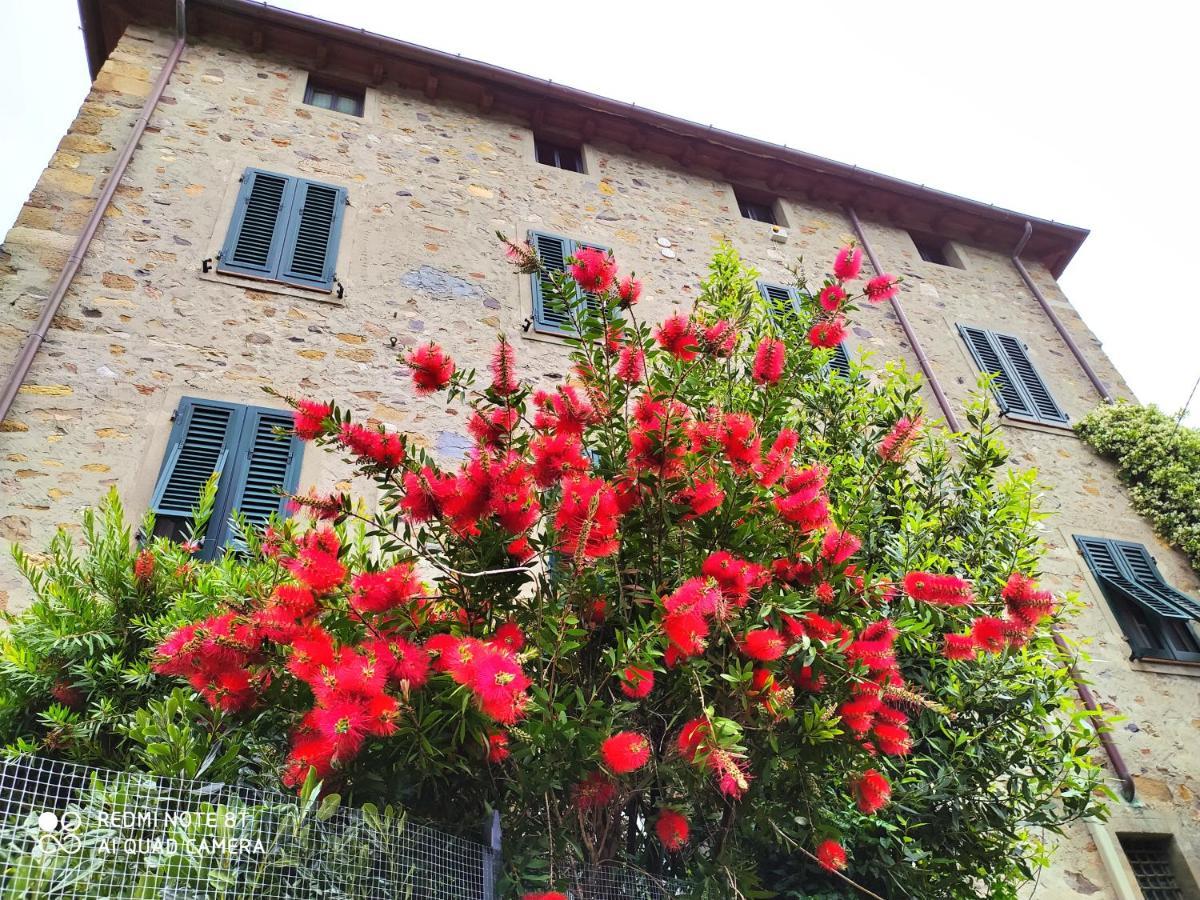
(491, 858)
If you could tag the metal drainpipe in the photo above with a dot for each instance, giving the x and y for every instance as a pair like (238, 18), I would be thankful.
(1054, 319)
(20, 368)
(1128, 788)
(926, 365)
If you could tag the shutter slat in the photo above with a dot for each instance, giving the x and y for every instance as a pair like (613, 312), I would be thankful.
(840, 361)
(269, 466)
(553, 252)
(781, 300)
(1024, 370)
(201, 440)
(310, 249)
(988, 357)
(1142, 566)
(256, 232)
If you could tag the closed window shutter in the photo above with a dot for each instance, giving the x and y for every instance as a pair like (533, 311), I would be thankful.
(313, 230)
(781, 300)
(256, 234)
(202, 441)
(840, 361)
(1021, 367)
(991, 359)
(265, 465)
(553, 251)
(1141, 565)
(1102, 556)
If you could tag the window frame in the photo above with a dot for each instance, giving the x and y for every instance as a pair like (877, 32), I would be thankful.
(557, 149)
(569, 246)
(1152, 614)
(233, 463)
(747, 201)
(337, 89)
(1169, 857)
(1011, 354)
(279, 264)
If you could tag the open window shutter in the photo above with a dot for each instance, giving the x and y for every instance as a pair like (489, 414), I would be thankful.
(840, 361)
(1141, 565)
(311, 238)
(553, 251)
(256, 232)
(990, 359)
(781, 300)
(1102, 557)
(1021, 366)
(265, 465)
(202, 441)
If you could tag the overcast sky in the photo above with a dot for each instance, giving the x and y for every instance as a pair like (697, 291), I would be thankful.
(1080, 112)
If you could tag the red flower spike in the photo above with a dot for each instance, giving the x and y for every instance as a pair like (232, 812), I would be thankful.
(503, 366)
(702, 496)
(625, 752)
(959, 646)
(770, 357)
(308, 420)
(593, 270)
(832, 297)
(672, 829)
(764, 644)
(990, 634)
(588, 518)
(596, 791)
(431, 368)
(545, 895)
(831, 855)
(847, 264)
(838, 546)
(1026, 604)
(677, 335)
(871, 791)
(631, 365)
(899, 441)
(882, 288)
(629, 290)
(637, 683)
(828, 333)
(497, 747)
(940, 590)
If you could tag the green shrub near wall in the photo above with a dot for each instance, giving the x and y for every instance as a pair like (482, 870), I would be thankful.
(1160, 461)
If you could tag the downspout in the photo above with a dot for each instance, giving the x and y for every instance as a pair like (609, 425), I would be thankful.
(1054, 319)
(20, 369)
(926, 366)
(1128, 788)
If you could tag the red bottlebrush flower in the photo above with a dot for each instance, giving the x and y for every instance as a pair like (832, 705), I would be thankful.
(882, 287)
(778, 459)
(143, 567)
(587, 518)
(431, 368)
(871, 791)
(770, 357)
(378, 592)
(686, 631)
(509, 636)
(631, 365)
(824, 593)
(420, 500)
(490, 429)
(697, 595)
(497, 747)
(629, 290)
(637, 683)
(828, 333)
(806, 681)
(940, 590)
(793, 573)
(838, 546)
(693, 739)
(308, 420)
(764, 688)
(847, 263)
(896, 444)
(832, 297)
(672, 829)
(522, 255)
(990, 634)
(67, 694)
(959, 646)
(545, 895)
(593, 270)
(831, 856)
(557, 456)
(625, 752)
(733, 778)
(596, 791)
(677, 335)
(321, 571)
(720, 338)
(406, 662)
(894, 740)
(738, 438)
(1026, 604)
(858, 715)
(806, 515)
(703, 497)
(521, 550)
(504, 364)
(825, 630)
(764, 644)
(371, 445)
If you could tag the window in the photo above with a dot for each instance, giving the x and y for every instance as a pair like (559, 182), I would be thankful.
(1153, 868)
(339, 98)
(936, 250)
(554, 251)
(558, 155)
(1155, 617)
(241, 444)
(783, 300)
(758, 209)
(1018, 386)
(284, 229)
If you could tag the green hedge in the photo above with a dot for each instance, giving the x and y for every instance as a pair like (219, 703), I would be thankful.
(1160, 462)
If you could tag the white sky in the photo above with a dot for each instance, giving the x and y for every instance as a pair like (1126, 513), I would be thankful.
(1081, 112)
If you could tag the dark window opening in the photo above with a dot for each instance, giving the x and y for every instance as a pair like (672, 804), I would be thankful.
(931, 250)
(559, 156)
(756, 210)
(338, 98)
(1153, 868)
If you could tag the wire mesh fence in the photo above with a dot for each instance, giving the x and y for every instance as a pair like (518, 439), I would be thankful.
(617, 882)
(70, 831)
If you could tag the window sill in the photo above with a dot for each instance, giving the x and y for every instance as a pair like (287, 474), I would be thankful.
(1166, 667)
(1036, 425)
(273, 287)
(547, 337)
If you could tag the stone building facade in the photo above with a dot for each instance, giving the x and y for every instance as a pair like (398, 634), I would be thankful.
(428, 178)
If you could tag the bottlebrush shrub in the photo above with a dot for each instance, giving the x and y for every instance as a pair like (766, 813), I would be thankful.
(1159, 459)
(846, 667)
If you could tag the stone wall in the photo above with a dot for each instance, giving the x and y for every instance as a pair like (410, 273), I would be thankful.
(428, 186)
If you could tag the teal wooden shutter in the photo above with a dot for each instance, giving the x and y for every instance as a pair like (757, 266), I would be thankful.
(264, 464)
(312, 234)
(553, 250)
(781, 300)
(1027, 377)
(992, 360)
(840, 361)
(1143, 568)
(202, 441)
(1103, 558)
(255, 238)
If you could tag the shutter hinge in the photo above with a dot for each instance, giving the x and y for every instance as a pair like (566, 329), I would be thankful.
(341, 291)
(527, 324)
(206, 265)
